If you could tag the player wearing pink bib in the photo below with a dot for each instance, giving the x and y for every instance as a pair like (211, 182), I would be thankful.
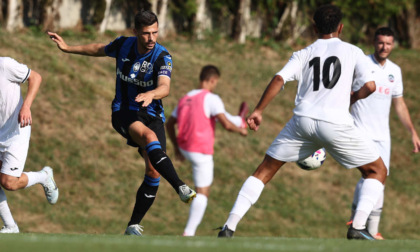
(197, 136)
(372, 114)
(324, 71)
(196, 116)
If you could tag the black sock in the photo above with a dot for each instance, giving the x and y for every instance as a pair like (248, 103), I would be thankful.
(163, 164)
(145, 197)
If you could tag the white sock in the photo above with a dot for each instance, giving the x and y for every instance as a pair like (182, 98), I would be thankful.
(5, 213)
(36, 178)
(248, 195)
(197, 209)
(373, 222)
(375, 216)
(356, 197)
(369, 195)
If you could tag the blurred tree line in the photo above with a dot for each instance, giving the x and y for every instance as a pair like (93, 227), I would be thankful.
(289, 21)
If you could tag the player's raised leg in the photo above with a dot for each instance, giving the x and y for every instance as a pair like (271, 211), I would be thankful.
(159, 160)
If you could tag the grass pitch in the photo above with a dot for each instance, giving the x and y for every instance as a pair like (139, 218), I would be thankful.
(103, 243)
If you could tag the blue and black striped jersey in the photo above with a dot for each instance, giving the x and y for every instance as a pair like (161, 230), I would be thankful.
(137, 73)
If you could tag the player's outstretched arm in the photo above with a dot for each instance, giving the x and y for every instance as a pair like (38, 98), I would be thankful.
(363, 92)
(273, 88)
(25, 115)
(96, 49)
(404, 115)
(170, 128)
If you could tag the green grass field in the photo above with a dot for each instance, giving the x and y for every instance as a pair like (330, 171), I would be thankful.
(104, 243)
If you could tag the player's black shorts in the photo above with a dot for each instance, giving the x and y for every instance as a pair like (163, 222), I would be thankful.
(122, 119)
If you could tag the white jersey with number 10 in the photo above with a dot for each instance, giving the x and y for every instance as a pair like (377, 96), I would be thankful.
(325, 71)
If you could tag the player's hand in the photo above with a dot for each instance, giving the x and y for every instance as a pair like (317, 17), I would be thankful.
(244, 132)
(25, 117)
(254, 120)
(416, 143)
(59, 41)
(146, 98)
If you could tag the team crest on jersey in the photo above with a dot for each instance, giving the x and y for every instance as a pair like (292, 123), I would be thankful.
(146, 67)
(136, 67)
(391, 78)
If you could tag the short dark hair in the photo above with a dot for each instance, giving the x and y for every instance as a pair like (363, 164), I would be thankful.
(327, 18)
(385, 31)
(144, 18)
(209, 71)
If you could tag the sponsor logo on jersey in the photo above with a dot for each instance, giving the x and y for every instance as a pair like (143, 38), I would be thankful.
(391, 78)
(383, 90)
(146, 67)
(134, 81)
(125, 60)
(14, 169)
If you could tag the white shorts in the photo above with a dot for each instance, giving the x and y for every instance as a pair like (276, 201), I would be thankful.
(202, 167)
(13, 153)
(384, 148)
(303, 135)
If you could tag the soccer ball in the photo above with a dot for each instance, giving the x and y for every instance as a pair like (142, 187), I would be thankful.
(314, 161)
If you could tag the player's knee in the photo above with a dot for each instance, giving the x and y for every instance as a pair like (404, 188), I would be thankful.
(152, 173)
(150, 136)
(8, 183)
(375, 169)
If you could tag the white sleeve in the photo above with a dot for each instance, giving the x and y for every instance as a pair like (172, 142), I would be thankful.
(362, 71)
(292, 69)
(398, 90)
(175, 112)
(15, 71)
(214, 104)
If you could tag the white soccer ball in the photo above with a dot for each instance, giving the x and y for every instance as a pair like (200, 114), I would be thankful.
(314, 161)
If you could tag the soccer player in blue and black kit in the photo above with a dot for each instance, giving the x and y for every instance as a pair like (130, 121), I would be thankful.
(143, 78)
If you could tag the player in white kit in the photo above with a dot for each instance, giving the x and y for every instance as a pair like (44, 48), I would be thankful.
(372, 114)
(15, 132)
(195, 116)
(324, 71)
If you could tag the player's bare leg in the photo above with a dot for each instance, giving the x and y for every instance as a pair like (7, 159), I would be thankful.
(250, 192)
